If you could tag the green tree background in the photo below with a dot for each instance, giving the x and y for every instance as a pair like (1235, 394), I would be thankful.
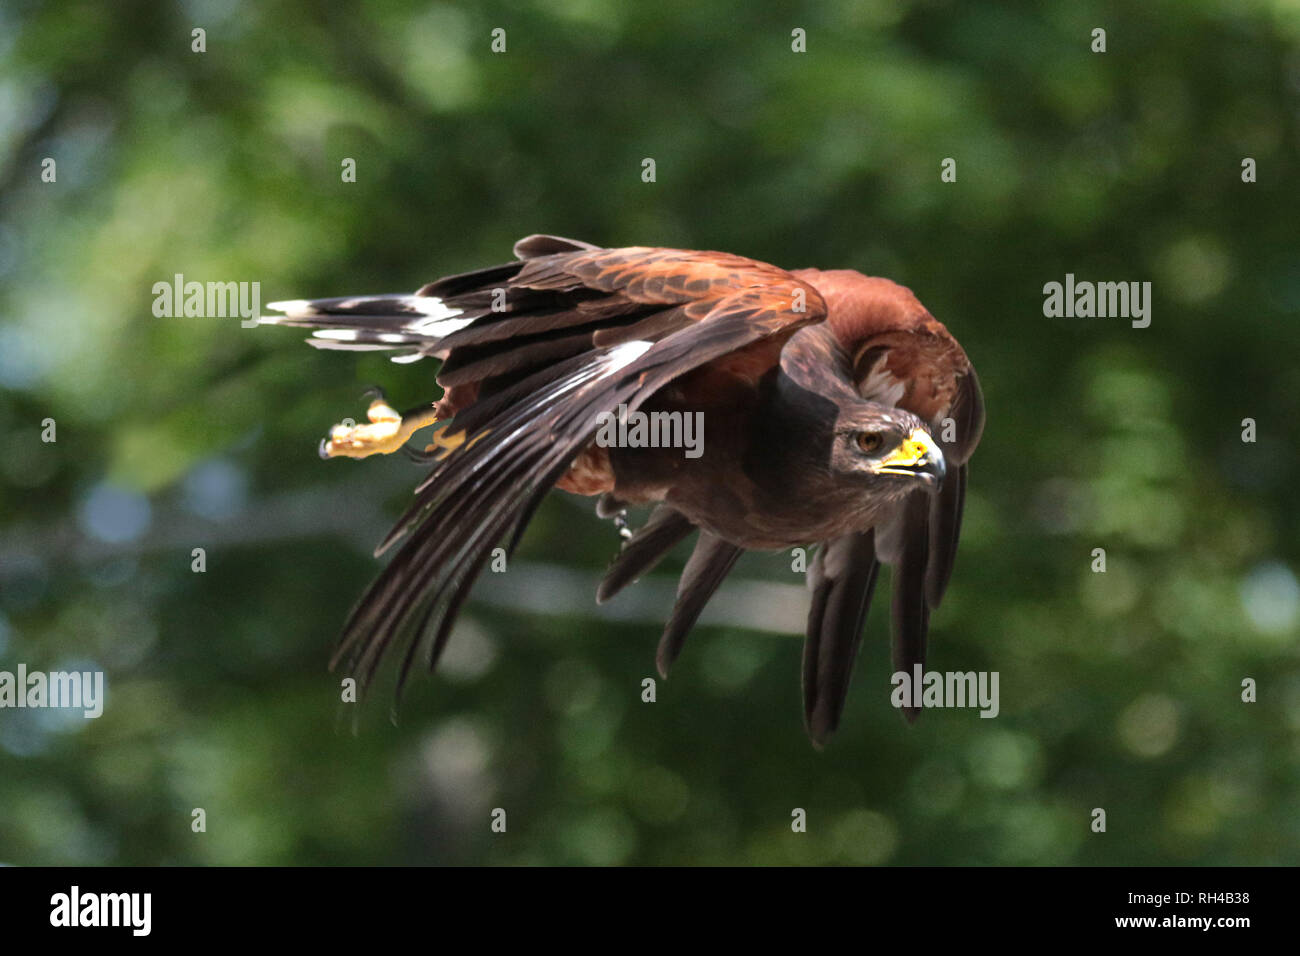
(1120, 690)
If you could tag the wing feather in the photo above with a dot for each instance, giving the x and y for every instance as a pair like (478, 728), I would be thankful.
(909, 608)
(842, 577)
(709, 564)
(660, 534)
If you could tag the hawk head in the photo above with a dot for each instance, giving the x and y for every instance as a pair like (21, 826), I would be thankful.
(885, 450)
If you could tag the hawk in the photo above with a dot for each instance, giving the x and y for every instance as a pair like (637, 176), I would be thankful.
(836, 410)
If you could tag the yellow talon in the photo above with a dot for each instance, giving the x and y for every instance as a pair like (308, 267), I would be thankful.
(387, 432)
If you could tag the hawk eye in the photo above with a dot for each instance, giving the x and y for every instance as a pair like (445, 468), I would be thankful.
(870, 441)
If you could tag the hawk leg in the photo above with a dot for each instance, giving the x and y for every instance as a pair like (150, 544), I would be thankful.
(386, 431)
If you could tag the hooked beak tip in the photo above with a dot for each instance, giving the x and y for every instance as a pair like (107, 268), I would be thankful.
(920, 457)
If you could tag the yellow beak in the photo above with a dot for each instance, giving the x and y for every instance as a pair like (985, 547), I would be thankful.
(917, 455)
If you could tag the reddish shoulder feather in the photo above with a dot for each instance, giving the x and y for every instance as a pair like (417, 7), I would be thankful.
(879, 321)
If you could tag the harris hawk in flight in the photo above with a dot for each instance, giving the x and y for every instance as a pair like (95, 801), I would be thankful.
(837, 412)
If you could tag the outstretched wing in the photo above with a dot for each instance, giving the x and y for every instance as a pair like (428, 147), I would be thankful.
(533, 351)
(921, 540)
(889, 349)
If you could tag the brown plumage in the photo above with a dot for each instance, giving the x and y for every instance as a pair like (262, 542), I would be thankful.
(836, 410)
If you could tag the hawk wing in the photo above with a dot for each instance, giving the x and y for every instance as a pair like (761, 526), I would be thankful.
(886, 346)
(533, 351)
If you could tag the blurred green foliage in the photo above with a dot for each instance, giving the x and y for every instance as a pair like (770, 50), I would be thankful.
(1119, 690)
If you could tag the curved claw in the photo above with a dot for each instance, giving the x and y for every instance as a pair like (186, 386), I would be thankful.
(419, 457)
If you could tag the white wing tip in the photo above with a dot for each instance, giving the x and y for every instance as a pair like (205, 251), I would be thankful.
(432, 306)
(290, 305)
(339, 335)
